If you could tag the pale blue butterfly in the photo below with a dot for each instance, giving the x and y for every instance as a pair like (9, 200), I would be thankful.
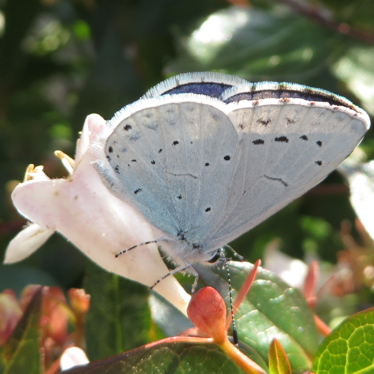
(205, 157)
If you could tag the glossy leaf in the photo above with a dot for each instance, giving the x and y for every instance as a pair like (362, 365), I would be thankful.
(271, 310)
(176, 358)
(119, 316)
(278, 361)
(349, 349)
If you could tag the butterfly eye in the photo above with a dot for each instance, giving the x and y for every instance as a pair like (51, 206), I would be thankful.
(215, 257)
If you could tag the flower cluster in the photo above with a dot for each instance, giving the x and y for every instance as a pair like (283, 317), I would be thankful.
(56, 315)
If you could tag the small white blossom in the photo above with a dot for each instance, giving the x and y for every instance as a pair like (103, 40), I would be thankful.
(83, 210)
(360, 177)
(71, 357)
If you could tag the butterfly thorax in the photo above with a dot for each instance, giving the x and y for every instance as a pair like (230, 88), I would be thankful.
(187, 249)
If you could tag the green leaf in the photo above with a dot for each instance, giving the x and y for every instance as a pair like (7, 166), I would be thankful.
(349, 348)
(173, 357)
(278, 361)
(355, 69)
(21, 353)
(257, 45)
(357, 14)
(272, 309)
(119, 317)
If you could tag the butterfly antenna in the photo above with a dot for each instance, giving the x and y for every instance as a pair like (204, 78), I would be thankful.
(171, 272)
(135, 246)
(234, 329)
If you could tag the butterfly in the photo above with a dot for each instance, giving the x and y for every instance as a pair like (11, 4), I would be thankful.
(205, 157)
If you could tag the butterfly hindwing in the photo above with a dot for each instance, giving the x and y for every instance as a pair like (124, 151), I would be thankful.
(165, 156)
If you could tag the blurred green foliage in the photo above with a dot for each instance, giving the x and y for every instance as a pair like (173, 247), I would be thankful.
(61, 60)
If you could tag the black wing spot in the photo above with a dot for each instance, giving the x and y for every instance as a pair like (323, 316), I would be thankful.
(290, 121)
(258, 141)
(282, 139)
(319, 162)
(304, 137)
(137, 191)
(208, 209)
(117, 169)
(319, 143)
(108, 157)
(153, 162)
(227, 158)
(264, 122)
(127, 127)
(110, 149)
(175, 142)
(133, 160)
(179, 197)
(207, 164)
(160, 150)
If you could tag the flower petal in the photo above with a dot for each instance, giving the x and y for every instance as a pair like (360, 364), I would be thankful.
(83, 210)
(361, 184)
(26, 242)
(71, 357)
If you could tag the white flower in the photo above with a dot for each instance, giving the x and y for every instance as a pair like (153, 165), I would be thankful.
(82, 209)
(71, 357)
(291, 270)
(360, 177)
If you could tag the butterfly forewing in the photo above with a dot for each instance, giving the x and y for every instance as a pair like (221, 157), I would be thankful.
(287, 148)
